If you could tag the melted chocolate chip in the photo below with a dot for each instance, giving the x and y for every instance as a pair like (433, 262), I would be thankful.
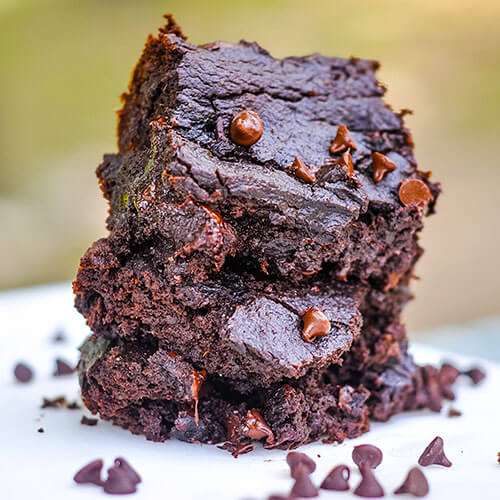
(367, 454)
(256, 428)
(128, 469)
(303, 487)
(434, 454)
(90, 473)
(302, 171)
(381, 166)
(343, 140)
(88, 421)
(346, 161)
(246, 128)
(295, 458)
(23, 373)
(415, 484)
(476, 375)
(63, 368)
(119, 482)
(415, 191)
(316, 324)
(198, 379)
(369, 487)
(337, 479)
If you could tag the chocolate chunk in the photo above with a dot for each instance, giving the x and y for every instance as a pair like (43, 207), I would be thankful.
(90, 473)
(343, 140)
(23, 373)
(381, 166)
(337, 479)
(303, 487)
(88, 421)
(367, 454)
(302, 171)
(316, 324)
(63, 368)
(476, 375)
(295, 458)
(415, 191)
(58, 402)
(415, 484)
(256, 428)
(40, 430)
(434, 454)
(246, 128)
(345, 160)
(128, 469)
(119, 482)
(454, 413)
(369, 487)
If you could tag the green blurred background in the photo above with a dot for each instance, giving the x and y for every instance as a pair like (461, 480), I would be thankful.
(65, 62)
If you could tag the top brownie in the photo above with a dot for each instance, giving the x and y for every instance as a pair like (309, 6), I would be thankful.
(283, 167)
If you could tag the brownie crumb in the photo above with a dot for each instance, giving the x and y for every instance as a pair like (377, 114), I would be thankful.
(303, 487)
(434, 454)
(476, 375)
(415, 484)
(63, 368)
(59, 402)
(498, 458)
(23, 373)
(40, 430)
(88, 421)
(454, 413)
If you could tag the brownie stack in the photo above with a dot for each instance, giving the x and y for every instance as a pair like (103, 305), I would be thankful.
(263, 228)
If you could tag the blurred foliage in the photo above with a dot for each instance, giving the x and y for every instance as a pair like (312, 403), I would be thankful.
(65, 62)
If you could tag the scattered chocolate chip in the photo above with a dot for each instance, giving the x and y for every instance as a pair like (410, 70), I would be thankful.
(367, 454)
(63, 368)
(88, 421)
(303, 487)
(316, 324)
(434, 454)
(277, 497)
(295, 458)
(415, 484)
(246, 128)
(302, 171)
(40, 430)
(454, 413)
(23, 373)
(415, 191)
(256, 428)
(90, 473)
(119, 482)
(381, 166)
(128, 469)
(345, 161)
(476, 375)
(337, 479)
(369, 487)
(343, 140)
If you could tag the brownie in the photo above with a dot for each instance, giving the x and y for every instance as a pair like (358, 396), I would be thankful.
(264, 217)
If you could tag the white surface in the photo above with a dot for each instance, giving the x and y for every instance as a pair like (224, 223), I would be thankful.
(41, 466)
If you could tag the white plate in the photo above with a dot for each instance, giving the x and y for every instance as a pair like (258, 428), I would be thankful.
(41, 466)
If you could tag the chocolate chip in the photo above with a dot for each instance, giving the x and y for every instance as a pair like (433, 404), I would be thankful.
(90, 473)
(337, 479)
(316, 324)
(414, 191)
(119, 482)
(343, 140)
(302, 171)
(415, 484)
(346, 161)
(128, 469)
(295, 458)
(23, 373)
(434, 454)
(63, 368)
(454, 413)
(381, 166)
(369, 487)
(88, 421)
(246, 128)
(303, 487)
(367, 454)
(476, 375)
(256, 428)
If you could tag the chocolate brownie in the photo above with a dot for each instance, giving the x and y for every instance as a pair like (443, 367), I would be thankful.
(263, 229)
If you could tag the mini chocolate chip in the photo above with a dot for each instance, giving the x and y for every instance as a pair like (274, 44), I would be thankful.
(337, 479)
(476, 375)
(368, 487)
(316, 324)
(119, 482)
(88, 421)
(128, 469)
(454, 413)
(246, 128)
(434, 454)
(415, 191)
(345, 161)
(343, 140)
(367, 454)
(303, 487)
(381, 166)
(63, 368)
(23, 373)
(415, 484)
(302, 171)
(295, 458)
(256, 428)
(90, 473)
